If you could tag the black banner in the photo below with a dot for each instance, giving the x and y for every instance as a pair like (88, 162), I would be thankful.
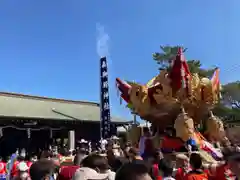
(104, 95)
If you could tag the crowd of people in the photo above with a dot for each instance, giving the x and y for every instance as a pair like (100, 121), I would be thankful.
(112, 161)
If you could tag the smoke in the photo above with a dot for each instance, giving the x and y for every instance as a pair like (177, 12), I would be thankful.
(103, 50)
(102, 41)
(102, 46)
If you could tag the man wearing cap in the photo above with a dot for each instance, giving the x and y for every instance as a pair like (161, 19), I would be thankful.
(91, 168)
(86, 173)
(67, 172)
(184, 166)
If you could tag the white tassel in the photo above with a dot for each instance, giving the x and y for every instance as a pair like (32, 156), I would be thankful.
(28, 133)
(211, 114)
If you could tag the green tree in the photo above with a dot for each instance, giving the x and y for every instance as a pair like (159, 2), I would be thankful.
(229, 107)
(223, 111)
(167, 55)
(231, 94)
(228, 114)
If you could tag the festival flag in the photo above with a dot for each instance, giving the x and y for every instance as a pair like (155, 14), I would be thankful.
(104, 95)
(216, 82)
(185, 73)
(180, 73)
(10, 164)
(215, 79)
(123, 88)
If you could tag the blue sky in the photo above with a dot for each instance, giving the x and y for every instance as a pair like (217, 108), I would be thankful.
(48, 47)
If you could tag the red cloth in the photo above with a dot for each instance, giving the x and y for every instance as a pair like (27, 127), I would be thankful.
(215, 80)
(180, 174)
(29, 163)
(192, 175)
(3, 169)
(222, 173)
(67, 172)
(179, 73)
(170, 143)
(156, 172)
(14, 171)
(59, 156)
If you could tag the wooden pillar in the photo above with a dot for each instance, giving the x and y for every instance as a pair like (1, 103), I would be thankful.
(71, 140)
(134, 118)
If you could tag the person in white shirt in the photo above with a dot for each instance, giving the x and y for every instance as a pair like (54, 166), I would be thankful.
(23, 171)
(103, 143)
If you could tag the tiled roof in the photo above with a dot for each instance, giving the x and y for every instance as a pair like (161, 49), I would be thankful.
(27, 106)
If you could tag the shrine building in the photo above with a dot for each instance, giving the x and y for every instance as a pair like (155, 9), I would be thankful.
(34, 121)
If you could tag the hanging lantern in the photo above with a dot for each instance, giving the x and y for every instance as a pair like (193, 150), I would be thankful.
(28, 133)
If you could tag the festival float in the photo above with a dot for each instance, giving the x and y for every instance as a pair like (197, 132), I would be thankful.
(182, 100)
